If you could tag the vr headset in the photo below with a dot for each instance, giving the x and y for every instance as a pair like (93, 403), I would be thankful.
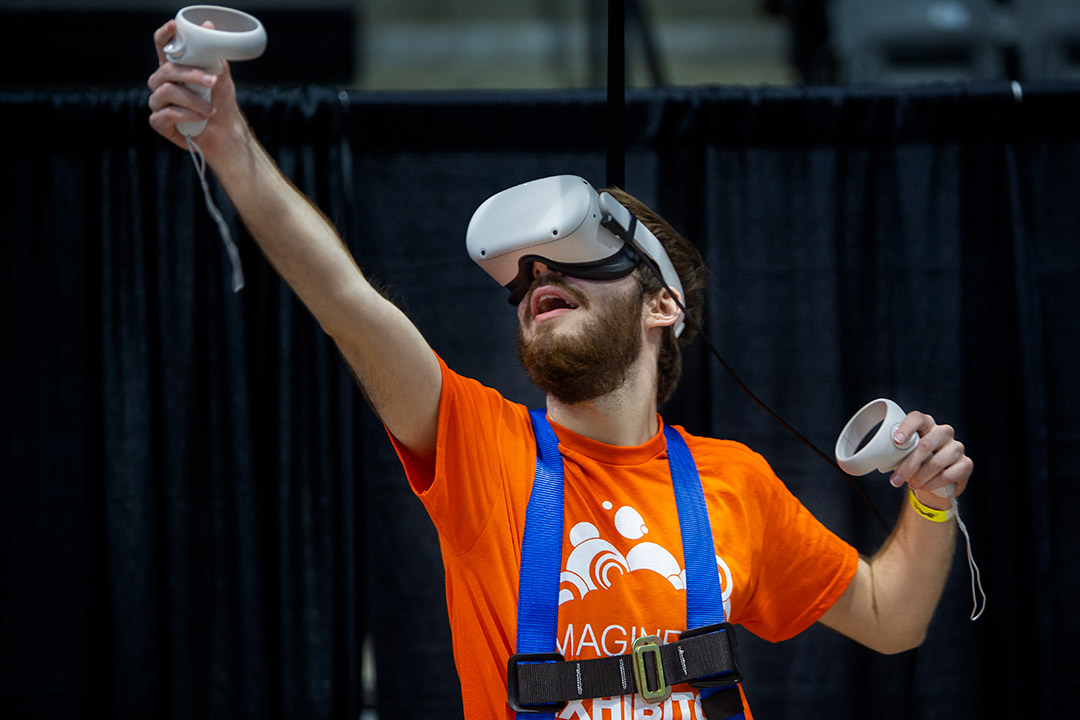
(564, 223)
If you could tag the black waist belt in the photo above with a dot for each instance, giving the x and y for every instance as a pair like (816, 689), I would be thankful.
(704, 657)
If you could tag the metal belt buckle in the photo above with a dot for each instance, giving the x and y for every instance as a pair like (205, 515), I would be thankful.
(644, 650)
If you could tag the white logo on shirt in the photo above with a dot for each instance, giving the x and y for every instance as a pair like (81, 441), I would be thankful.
(680, 706)
(594, 563)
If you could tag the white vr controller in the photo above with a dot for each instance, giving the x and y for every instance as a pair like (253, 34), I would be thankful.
(235, 36)
(866, 442)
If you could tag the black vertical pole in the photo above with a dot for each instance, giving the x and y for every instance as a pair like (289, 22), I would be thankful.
(616, 94)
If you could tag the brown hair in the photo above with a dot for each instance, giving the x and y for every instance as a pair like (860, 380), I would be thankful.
(692, 273)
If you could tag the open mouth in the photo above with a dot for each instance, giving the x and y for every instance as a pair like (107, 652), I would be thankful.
(549, 301)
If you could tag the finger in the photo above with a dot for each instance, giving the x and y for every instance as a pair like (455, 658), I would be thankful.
(933, 466)
(162, 36)
(955, 476)
(931, 441)
(164, 122)
(161, 101)
(171, 72)
(174, 104)
(932, 438)
(181, 96)
(949, 466)
(913, 422)
(954, 472)
(958, 475)
(954, 479)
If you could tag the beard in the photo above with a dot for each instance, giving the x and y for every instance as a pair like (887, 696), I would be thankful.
(591, 363)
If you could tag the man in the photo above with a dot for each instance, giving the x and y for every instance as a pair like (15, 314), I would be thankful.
(604, 353)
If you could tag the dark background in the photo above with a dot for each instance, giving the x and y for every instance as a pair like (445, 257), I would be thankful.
(200, 518)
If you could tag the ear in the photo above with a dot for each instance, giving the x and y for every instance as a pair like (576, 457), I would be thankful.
(661, 310)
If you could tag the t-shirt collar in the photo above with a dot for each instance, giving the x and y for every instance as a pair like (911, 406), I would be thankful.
(571, 442)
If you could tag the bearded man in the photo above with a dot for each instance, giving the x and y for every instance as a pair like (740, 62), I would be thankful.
(652, 541)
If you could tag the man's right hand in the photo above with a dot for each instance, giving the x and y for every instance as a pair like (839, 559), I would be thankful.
(172, 102)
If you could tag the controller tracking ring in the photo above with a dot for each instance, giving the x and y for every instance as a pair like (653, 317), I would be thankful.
(235, 36)
(866, 442)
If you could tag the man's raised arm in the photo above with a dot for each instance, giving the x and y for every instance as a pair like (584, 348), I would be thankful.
(392, 361)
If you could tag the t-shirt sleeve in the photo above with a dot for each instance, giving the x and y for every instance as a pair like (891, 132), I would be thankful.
(802, 567)
(479, 432)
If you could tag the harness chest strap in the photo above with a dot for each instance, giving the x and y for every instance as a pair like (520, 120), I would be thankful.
(539, 681)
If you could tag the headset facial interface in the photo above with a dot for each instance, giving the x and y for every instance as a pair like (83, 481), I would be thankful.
(564, 223)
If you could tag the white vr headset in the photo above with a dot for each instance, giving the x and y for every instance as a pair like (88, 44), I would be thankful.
(564, 223)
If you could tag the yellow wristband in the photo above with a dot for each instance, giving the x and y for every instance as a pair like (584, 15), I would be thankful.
(928, 512)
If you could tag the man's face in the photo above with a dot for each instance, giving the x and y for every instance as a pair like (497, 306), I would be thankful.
(578, 339)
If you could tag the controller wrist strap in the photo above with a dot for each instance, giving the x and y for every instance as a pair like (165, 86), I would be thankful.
(223, 227)
(942, 516)
(973, 567)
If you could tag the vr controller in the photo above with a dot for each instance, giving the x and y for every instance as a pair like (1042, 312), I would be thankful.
(235, 36)
(866, 442)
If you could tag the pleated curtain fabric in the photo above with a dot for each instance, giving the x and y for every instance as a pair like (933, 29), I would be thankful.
(199, 517)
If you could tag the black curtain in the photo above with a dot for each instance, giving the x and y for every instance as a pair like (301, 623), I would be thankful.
(181, 497)
(200, 518)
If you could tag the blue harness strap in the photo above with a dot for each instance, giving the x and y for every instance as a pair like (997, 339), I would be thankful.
(541, 552)
(541, 549)
(704, 598)
(538, 591)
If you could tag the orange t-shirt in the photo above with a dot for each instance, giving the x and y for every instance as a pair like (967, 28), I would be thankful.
(623, 575)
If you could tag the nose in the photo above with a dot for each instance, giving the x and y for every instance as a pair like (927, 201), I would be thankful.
(540, 268)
